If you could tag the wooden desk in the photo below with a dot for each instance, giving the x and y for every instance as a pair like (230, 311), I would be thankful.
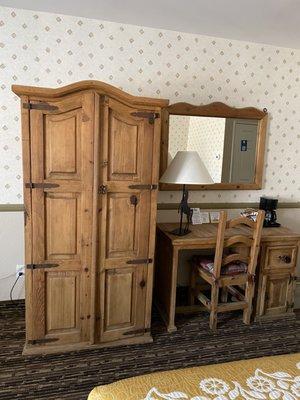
(275, 273)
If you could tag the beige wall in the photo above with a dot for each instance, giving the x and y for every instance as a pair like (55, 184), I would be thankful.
(44, 49)
(11, 253)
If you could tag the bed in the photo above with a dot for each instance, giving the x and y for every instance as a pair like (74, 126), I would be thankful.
(269, 378)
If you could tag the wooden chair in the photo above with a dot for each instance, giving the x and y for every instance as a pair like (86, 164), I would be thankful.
(239, 247)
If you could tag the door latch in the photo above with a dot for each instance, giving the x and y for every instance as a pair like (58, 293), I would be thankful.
(102, 189)
(133, 200)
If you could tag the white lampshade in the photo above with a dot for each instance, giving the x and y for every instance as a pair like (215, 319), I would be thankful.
(186, 168)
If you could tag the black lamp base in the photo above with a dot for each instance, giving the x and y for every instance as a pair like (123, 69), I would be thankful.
(183, 209)
(180, 232)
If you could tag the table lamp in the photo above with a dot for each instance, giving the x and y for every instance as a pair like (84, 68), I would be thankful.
(186, 168)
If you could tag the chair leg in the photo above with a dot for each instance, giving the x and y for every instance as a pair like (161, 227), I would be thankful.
(213, 318)
(248, 298)
(192, 286)
(224, 294)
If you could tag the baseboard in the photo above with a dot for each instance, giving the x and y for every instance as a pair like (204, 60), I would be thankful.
(65, 348)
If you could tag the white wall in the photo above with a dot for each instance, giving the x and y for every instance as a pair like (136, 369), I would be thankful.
(11, 253)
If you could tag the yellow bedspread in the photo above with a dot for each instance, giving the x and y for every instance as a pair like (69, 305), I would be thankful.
(267, 378)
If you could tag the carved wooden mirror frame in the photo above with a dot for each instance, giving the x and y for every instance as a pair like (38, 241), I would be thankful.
(223, 111)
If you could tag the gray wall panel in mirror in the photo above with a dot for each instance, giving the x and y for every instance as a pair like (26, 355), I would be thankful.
(230, 142)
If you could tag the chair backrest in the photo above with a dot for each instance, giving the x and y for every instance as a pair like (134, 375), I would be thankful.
(242, 240)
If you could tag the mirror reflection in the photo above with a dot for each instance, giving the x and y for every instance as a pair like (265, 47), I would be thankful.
(227, 146)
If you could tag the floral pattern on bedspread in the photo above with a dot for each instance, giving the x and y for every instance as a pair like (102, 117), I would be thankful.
(264, 378)
(260, 386)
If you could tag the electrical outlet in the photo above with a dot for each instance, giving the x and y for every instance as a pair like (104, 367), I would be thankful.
(20, 269)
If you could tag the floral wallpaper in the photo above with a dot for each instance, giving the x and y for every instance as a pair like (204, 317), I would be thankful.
(179, 133)
(206, 135)
(201, 134)
(53, 50)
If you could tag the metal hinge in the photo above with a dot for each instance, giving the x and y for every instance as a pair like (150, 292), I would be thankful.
(42, 341)
(102, 189)
(144, 114)
(140, 261)
(137, 331)
(39, 266)
(41, 185)
(147, 187)
(40, 106)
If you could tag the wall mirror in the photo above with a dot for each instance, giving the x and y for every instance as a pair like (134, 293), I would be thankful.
(230, 142)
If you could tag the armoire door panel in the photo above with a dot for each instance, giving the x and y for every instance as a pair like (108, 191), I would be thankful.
(63, 225)
(62, 145)
(127, 224)
(124, 302)
(129, 145)
(119, 304)
(127, 149)
(62, 302)
(122, 224)
(124, 147)
(62, 153)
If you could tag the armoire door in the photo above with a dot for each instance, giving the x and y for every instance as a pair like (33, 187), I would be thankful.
(127, 196)
(58, 281)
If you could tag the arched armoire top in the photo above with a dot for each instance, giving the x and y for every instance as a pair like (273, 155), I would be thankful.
(98, 86)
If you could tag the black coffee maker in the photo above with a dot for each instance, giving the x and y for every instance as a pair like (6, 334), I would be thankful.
(269, 205)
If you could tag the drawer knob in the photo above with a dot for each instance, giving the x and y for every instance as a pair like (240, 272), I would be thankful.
(142, 284)
(285, 259)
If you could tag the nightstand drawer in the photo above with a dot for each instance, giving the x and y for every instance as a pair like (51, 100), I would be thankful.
(281, 257)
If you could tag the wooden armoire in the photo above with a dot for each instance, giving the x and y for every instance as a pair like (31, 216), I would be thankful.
(91, 162)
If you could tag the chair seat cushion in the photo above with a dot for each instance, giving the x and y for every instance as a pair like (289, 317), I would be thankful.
(232, 268)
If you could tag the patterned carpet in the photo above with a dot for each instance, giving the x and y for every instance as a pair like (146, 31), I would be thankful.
(73, 375)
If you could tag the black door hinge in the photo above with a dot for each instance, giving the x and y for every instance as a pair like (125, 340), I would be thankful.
(42, 341)
(147, 187)
(39, 266)
(40, 106)
(137, 331)
(140, 261)
(152, 116)
(41, 185)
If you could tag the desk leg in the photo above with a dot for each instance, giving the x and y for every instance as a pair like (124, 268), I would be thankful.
(166, 280)
(171, 320)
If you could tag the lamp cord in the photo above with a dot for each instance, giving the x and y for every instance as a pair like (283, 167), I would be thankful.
(12, 289)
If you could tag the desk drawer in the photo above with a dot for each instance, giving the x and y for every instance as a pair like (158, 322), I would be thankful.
(281, 257)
